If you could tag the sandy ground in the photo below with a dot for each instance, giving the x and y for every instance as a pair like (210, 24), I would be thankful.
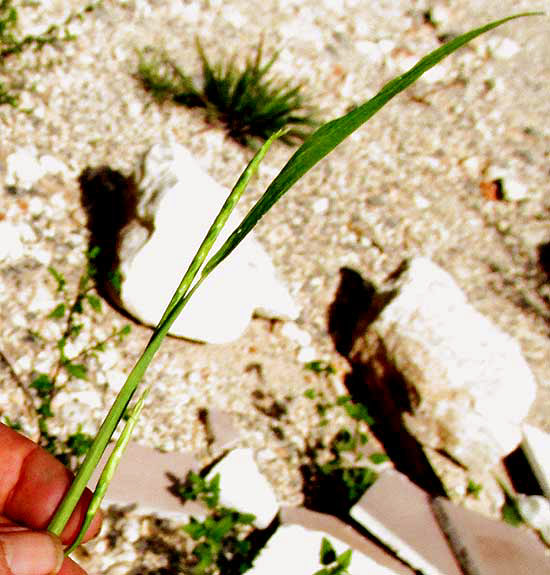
(406, 184)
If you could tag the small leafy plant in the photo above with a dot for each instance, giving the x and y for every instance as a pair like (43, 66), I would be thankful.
(220, 544)
(249, 104)
(13, 43)
(473, 489)
(333, 564)
(341, 474)
(315, 148)
(45, 386)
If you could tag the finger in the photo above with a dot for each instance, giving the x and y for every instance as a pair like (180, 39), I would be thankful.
(24, 552)
(32, 484)
(69, 566)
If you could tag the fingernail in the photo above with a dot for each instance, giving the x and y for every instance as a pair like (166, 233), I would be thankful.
(29, 553)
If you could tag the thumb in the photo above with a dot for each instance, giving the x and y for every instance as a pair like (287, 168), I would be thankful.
(25, 552)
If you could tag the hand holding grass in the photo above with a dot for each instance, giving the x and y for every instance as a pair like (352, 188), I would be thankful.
(32, 483)
(314, 149)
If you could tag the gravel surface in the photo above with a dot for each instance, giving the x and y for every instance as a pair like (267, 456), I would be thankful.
(406, 184)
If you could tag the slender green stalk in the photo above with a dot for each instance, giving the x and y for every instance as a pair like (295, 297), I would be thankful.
(124, 397)
(109, 470)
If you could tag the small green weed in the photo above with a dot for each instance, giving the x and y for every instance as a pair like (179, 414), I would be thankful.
(249, 104)
(12, 42)
(510, 511)
(333, 564)
(340, 475)
(319, 366)
(44, 386)
(473, 489)
(220, 545)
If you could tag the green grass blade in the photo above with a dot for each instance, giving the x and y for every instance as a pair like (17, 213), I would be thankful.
(329, 135)
(177, 303)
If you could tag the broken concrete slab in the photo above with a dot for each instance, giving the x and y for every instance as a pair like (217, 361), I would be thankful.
(331, 526)
(399, 514)
(147, 477)
(178, 201)
(488, 547)
(295, 550)
(143, 478)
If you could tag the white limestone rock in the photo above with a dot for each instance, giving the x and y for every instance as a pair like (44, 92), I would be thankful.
(178, 203)
(294, 550)
(24, 168)
(11, 247)
(467, 383)
(244, 488)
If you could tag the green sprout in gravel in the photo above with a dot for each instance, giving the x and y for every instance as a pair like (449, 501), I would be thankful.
(314, 149)
(45, 386)
(247, 102)
(339, 472)
(12, 42)
(333, 564)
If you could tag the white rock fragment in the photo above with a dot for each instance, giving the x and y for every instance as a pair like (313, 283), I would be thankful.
(42, 300)
(244, 488)
(436, 74)
(294, 550)
(512, 189)
(306, 354)
(179, 200)
(52, 165)
(90, 398)
(371, 50)
(502, 48)
(536, 446)
(472, 166)
(458, 369)
(291, 331)
(11, 247)
(439, 14)
(421, 202)
(24, 168)
(535, 511)
(320, 206)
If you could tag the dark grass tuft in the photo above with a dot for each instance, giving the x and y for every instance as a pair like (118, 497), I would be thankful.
(250, 105)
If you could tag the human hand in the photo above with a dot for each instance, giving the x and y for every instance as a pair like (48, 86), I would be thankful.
(32, 484)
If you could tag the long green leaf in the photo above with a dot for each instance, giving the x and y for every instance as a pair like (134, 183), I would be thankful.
(329, 135)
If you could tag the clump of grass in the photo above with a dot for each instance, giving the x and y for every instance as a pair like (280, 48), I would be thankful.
(246, 101)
